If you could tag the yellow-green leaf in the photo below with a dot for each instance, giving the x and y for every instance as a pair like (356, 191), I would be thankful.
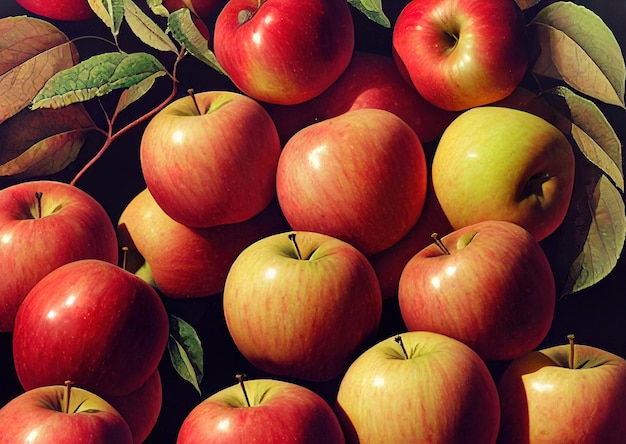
(111, 12)
(579, 48)
(97, 76)
(373, 10)
(156, 6)
(185, 351)
(135, 92)
(146, 29)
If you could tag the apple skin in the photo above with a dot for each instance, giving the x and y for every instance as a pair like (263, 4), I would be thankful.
(73, 226)
(443, 393)
(93, 323)
(284, 51)
(201, 8)
(189, 262)
(279, 412)
(69, 10)
(507, 164)
(37, 416)
(462, 53)
(301, 318)
(370, 81)
(495, 291)
(200, 171)
(544, 401)
(142, 407)
(360, 177)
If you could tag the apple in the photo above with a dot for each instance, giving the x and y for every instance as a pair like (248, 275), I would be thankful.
(91, 322)
(142, 407)
(489, 285)
(418, 387)
(360, 177)
(301, 304)
(201, 8)
(200, 170)
(566, 394)
(70, 10)
(62, 415)
(462, 53)
(390, 262)
(267, 410)
(370, 81)
(59, 223)
(507, 164)
(189, 262)
(284, 51)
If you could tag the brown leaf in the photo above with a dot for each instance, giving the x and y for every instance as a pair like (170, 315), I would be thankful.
(526, 4)
(31, 51)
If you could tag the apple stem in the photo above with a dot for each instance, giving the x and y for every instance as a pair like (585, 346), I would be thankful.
(191, 92)
(570, 337)
(124, 256)
(398, 339)
(292, 238)
(66, 397)
(240, 377)
(39, 195)
(440, 244)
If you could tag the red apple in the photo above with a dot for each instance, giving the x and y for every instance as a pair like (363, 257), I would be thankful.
(201, 8)
(189, 262)
(418, 387)
(203, 172)
(566, 394)
(370, 81)
(360, 177)
(62, 225)
(91, 322)
(268, 410)
(284, 51)
(488, 285)
(462, 53)
(142, 407)
(52, 414)
(301, 304)
(71, 10)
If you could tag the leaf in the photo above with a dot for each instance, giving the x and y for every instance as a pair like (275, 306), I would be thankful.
(579, 48)
(185, 351)
(135, 92)
(591, 131)
(111, 12)
(146, 29)
(373, 10)
(42, 142)
(156, 6)
(31, 51)
(181, 25)
(96, 77)
(526, 4)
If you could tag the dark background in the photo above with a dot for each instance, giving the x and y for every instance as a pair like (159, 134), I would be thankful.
(595, 315)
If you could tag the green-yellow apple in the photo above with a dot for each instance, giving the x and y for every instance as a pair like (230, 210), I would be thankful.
(418, 387)
(489, 285)
(462, 53)
(188, 262)
(62, 415)
(284, 51)
(210, 158)
(502, 163)
(262, 410)
(360, 177)
(565, 393)
(58, 223)
(370, 81)
(93, 323)
(71, 10)
(302, 304)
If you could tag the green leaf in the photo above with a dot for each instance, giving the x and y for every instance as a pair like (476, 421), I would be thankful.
(592, 132)
(156, 6)
(96, 77)
(580, 49)
(373, 10)
(136, 92)
(181, 25)
(146, 29)
(111, 12)
(185, 351)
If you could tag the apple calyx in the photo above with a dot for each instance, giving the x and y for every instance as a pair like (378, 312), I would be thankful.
(439, 244)
(38, 196)
(292, 238)
(534, 185)
(240, 377)
(398, 339)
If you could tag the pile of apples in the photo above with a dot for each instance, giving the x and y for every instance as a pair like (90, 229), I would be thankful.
(336, 207)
